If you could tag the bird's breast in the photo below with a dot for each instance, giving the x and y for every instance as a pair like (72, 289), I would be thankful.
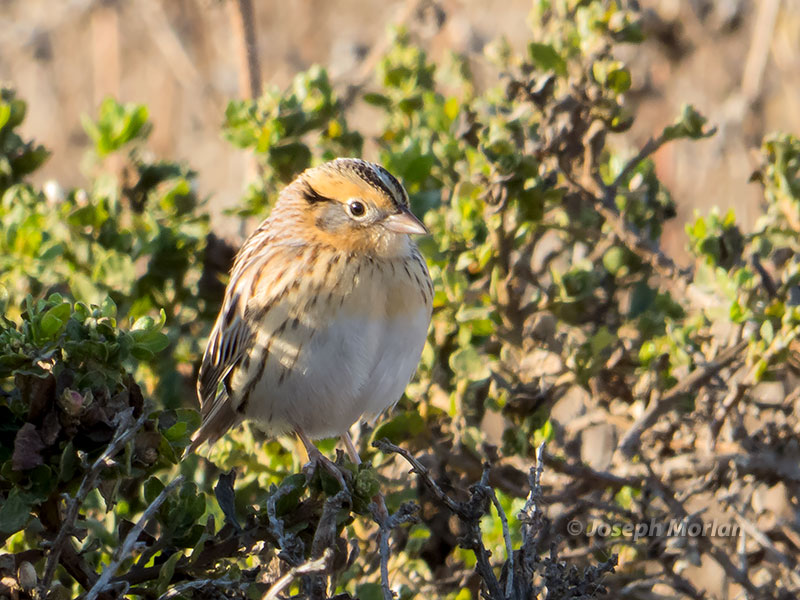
(349, 353)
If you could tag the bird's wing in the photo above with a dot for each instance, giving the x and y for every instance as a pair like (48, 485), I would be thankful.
(229, 342)
(226, 347)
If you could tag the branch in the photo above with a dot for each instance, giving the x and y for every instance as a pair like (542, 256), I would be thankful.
(123, 551)
(506, 533)
(123, 434)
(407, 513)
(317, 565)
(704, 544)
(380, 514)
(626, 232)
(197, 584)
(417, 467)
(697, 378)
(325, 535)
(651, 147)
(469, 514)
(585, 473)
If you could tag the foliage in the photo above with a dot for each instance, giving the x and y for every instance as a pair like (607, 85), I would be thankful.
(277, 127)
(134, 236)
(551, 291)
(68, 364)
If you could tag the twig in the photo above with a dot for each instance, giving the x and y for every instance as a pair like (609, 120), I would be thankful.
(196, 584)
(123, 434)
(381, 516)
(316, 565)
(506, 533)
(603, 198)
(325, 535)
(731, 400)
(650, 147)
(469, 514)
(766, 543)
(407, 513)
(123, 551)
(417, 467)
(586, 473)
(705, 545)
(766, 278)
(291, 547)
(630, 442)
(532, 518)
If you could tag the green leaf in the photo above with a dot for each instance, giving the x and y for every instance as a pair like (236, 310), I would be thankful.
(152, 488)
(468, 363)
(116, 125)
(613, 75)
(291, 490)
(5, 114)
(767, 331)
(547, 58)
(369, 591)
(377, 100)
(68, 464)
(54, 320)
(166, 572)
(690, 124)
(402, 426)
(15, 511)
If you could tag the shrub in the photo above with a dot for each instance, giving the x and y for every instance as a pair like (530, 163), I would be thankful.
(556, 314)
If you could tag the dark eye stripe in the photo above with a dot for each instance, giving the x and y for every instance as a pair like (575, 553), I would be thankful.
(312, 196)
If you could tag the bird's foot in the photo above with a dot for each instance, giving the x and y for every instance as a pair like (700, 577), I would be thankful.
(316, 458)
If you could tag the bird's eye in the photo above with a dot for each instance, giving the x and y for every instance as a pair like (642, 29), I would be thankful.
(356, 208)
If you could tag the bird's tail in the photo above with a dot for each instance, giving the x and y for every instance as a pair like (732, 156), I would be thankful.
(216, 422)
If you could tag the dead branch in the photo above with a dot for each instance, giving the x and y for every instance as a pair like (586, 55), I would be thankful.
(123, 551)
(123, 434)
(630, 442)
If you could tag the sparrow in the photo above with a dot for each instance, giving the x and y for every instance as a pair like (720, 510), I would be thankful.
(326, 312)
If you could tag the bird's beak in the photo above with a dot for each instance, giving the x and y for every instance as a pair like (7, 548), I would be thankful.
(404, 222)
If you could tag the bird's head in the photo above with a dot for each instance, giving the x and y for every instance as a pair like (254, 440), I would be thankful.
(354, 206)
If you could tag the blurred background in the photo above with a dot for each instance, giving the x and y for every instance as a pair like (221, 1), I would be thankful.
(737, 61)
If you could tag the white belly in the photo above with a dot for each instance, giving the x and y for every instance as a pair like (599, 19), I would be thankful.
(358, 366)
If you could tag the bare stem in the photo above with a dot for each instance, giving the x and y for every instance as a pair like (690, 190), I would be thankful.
(630, 443)
(506, 537)
(469, 514)
(123, 434)
(313, 566)
(124, 550)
